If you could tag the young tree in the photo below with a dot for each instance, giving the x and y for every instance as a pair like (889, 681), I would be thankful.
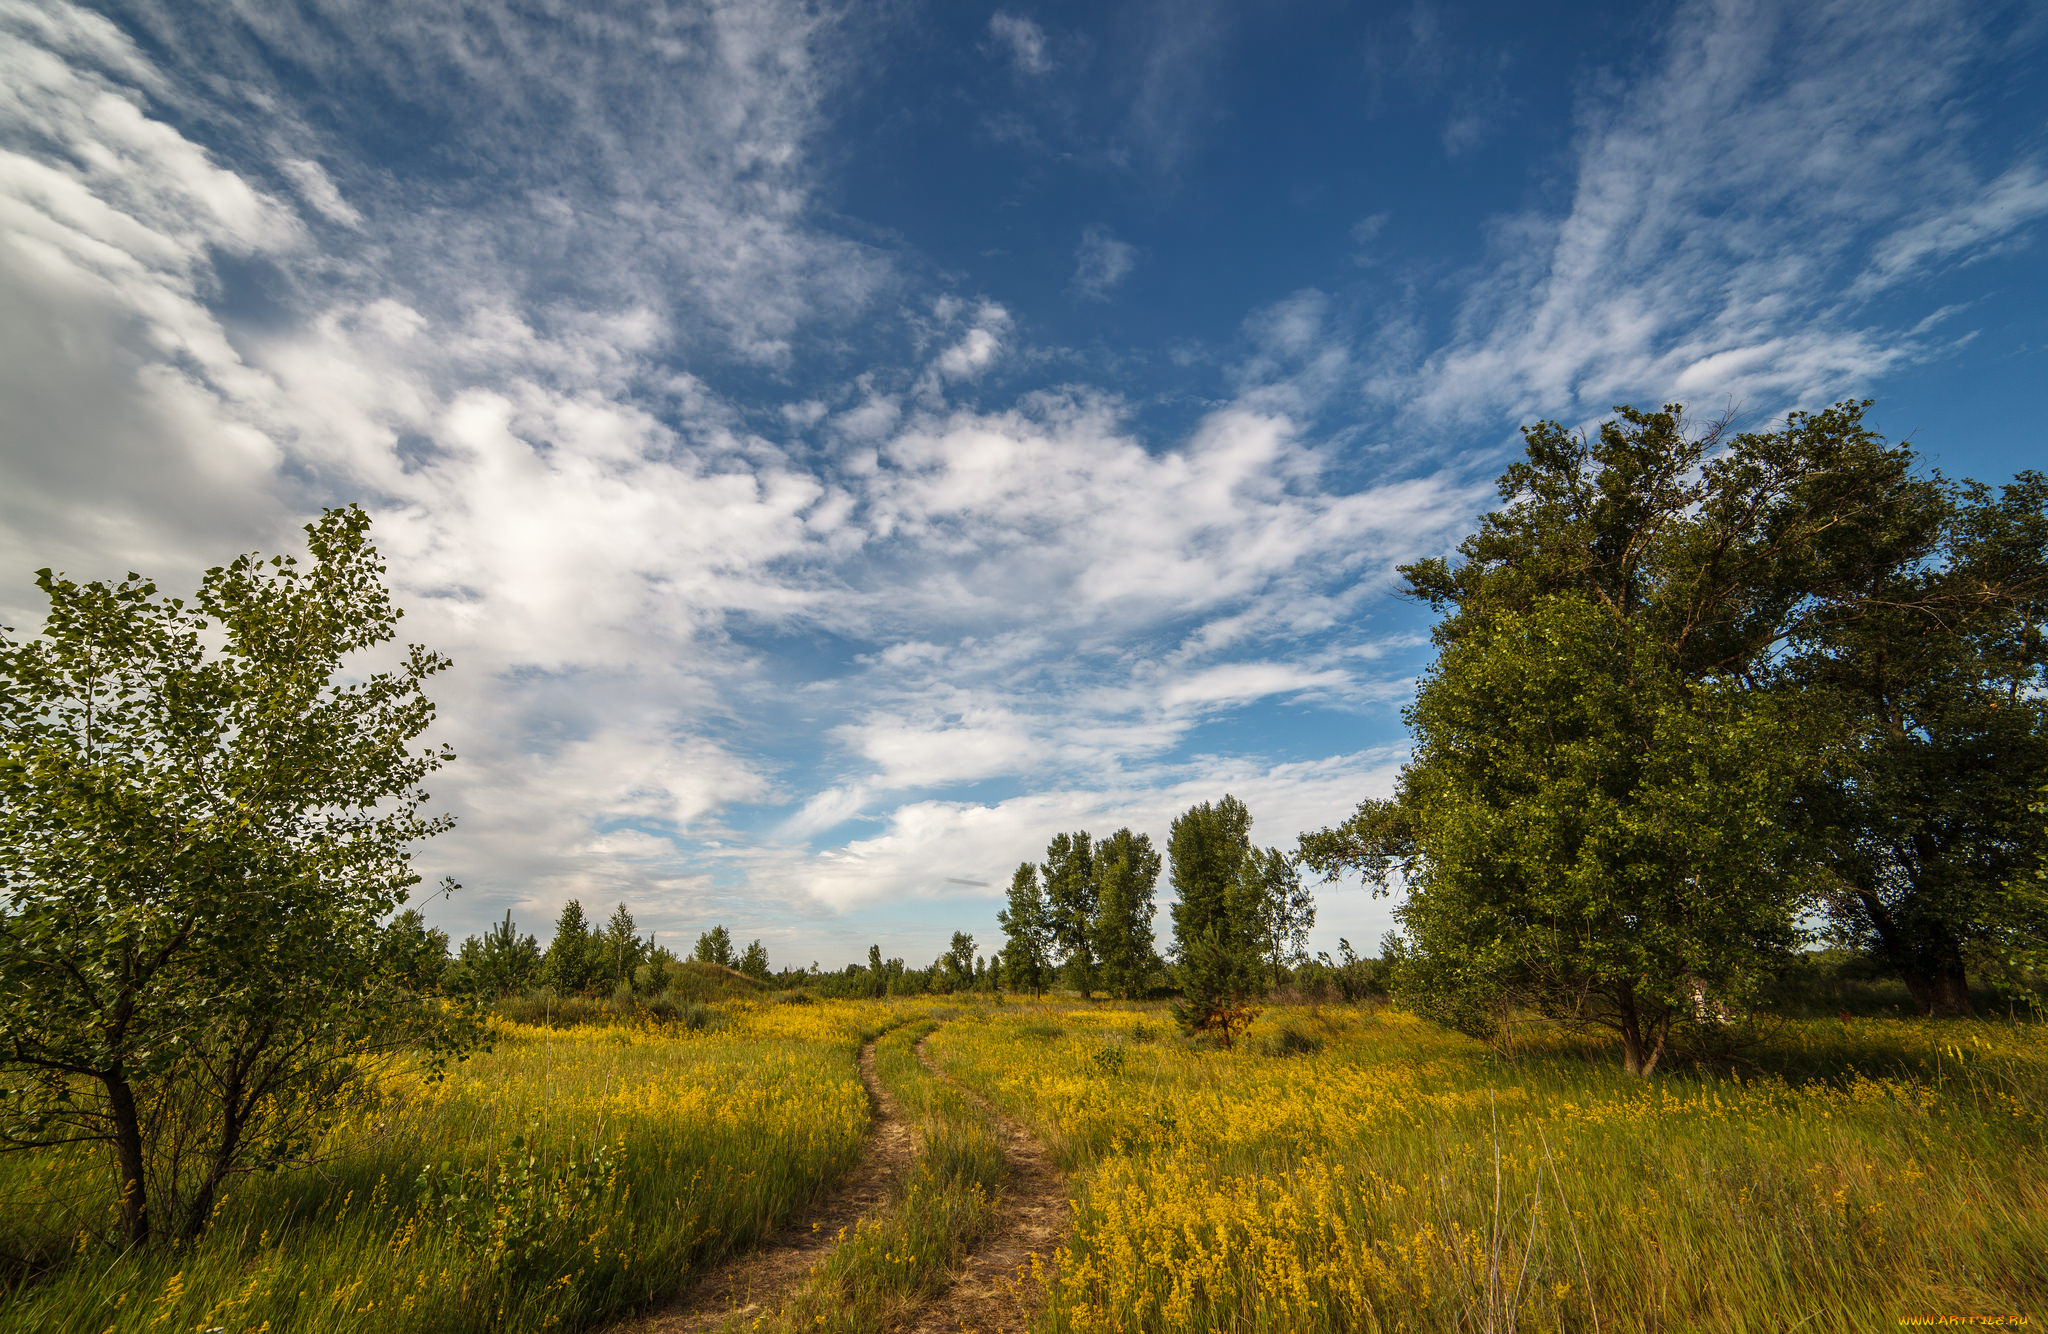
(1277, 911)
(499, 962)
(715, 946)
(1126, 874)
(1070, 894)
(878, 973)
(206, 814)
(620, 949)
(571, 963)
(1027, 933)
(754, 961)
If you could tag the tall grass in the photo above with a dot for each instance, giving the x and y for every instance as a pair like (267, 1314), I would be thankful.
(558, 1179)
(1373, 1172)
(887, 1264)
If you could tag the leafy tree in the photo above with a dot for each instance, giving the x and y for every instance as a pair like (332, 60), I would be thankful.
(1205, 848)
(1584, 834)
(715, 946)
(572, 960)
(878, 984)
(499, 962)
(206, 814)
(1070, 893)
(1275, 909)
(1922, 818)
(958, 962)
(754, 961)
(412, 953)
(620, 949)
(1126, 874)
(1215, 920)
(1027, 933)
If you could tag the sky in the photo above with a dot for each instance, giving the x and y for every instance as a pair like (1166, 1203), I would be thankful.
(842, 446)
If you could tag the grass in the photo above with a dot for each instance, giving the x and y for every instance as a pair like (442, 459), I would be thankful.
(1348, 1170)
(559, 1179)
(888, 1263)
(1339, 1169)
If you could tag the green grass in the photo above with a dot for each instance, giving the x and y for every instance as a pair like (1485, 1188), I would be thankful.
(642, 1157)
(888, 1263)
(1358, 1171)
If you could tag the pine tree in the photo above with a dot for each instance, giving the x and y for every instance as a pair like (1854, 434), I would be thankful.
(620, 948)
(568, 966)
(754, 961)
(1027, 931)
(1126, 876)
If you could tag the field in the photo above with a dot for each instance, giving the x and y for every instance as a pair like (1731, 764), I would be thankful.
(1340, 1169)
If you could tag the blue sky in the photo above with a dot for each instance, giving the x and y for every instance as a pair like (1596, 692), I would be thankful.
(843, 446)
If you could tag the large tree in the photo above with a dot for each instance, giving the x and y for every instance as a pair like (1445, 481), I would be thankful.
(1724, 585)
(1274, 910)
(1126, 877)
(207, 810)
(1070, 896)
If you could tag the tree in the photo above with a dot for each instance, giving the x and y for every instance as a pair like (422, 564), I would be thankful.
(1027, 932)
(715, 946)
(499, 962)
(571, 964)
(1921, 819)
(206, 814)
(754, 961)
(412, 953)
(1069, 871)
(1205, 849)
(1277, 911)
(620, 949)
(1215, 939)
(878, 973)
(1126, 874)
(1630, 775)
(958, 962)
(1585, 835)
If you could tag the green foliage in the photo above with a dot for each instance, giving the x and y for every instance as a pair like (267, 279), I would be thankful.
(571, 963)
(1070, 896)
(1270, 909)
(1219, 979)
(754, 961)
(206, 813)
(715, 946)
(1205, 849)
(1027, 933)
(413, 954)
(1126, 875)
(619, 947)
(518, 1215)
(499, 962)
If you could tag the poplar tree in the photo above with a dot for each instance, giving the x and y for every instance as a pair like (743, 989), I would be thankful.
(1027, 933)
(1126, 876)
(1070, 895)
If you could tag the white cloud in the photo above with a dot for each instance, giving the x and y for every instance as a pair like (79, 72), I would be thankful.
(1721, 208)
(1023, 40)
(1101, 263)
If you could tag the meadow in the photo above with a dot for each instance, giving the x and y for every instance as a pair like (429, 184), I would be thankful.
(1340, 1168)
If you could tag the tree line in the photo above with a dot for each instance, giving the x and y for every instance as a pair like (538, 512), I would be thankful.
(583, 958)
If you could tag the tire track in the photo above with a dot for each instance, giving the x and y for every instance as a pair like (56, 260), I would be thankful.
(760, 1281)
(996, 1290)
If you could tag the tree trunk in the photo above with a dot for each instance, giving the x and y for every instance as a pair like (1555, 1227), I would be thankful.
(1940, 992)
(128, 1158)
(1931, 969)
(1641, 1046)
